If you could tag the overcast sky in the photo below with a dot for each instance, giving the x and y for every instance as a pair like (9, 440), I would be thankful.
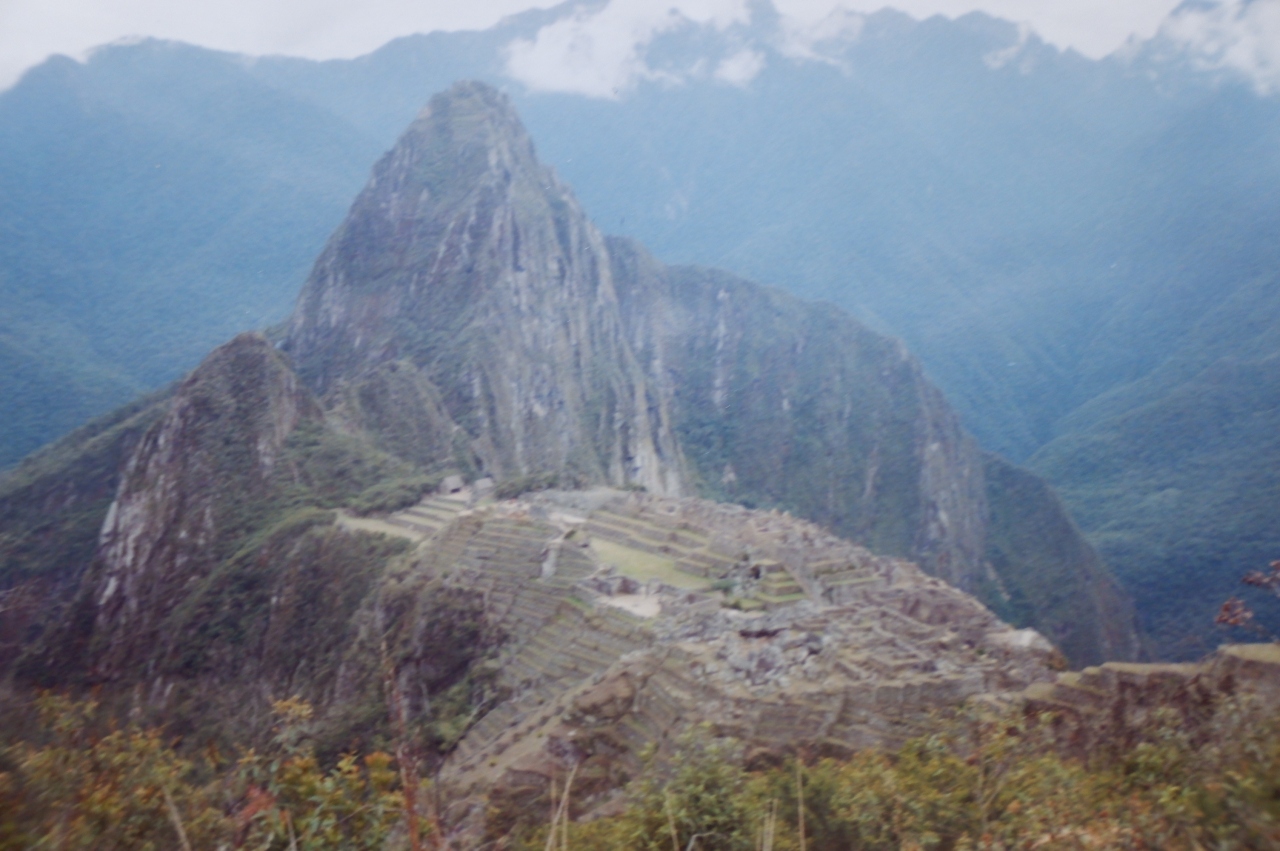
(30, 30)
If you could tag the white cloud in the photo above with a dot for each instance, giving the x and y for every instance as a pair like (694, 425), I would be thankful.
(997, 59)
(596, 51)
(31, 30)
(806, 28)
(1241, 36)
(740, 68)
(600, 52)
(1092, 27)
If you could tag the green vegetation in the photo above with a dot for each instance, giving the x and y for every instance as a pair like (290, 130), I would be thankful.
(512, 488)
(643, 566)
(393, 494)
(143, 229)
(1047, 576)
(289, 594)
(87, 783)
(978, 782)
(1179, 495)
(330, 469)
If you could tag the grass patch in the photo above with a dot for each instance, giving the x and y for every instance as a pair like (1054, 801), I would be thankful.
(513, 488)
(393, 495)
(374, 526)
(642, 566)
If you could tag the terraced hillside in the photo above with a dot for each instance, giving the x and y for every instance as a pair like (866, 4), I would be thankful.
(625, 618)
(418, 523)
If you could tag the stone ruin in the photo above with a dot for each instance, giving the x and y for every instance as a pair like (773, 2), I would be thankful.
(630, 617)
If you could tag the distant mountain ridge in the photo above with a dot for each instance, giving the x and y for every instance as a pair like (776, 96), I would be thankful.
(1054, 237)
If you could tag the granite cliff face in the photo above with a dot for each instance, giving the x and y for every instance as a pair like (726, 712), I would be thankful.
(468, 261)
(788, 403)
(51, 513)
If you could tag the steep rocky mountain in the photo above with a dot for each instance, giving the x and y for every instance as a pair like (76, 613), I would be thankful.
(1079, 240)
(226, 425)
(466, 262)
(468, 318)
(471, 269)
(260, 529)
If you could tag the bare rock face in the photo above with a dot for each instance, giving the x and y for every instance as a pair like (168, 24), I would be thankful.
(785, 402)
(51, 513)
(189, 492)
(468, 259)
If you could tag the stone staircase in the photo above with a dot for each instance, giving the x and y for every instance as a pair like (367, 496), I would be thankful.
(841, 578)
(777, 586)
(528, 570)
(573, 647)
(429, 516)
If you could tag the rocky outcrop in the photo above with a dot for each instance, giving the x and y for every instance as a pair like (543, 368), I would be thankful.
(190, 493)
(51, 513)
(1118, 704)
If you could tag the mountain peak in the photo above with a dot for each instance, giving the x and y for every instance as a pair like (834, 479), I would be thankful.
(444, 223)
(466, 140)
(470, 317)
(471, 272)
(472, 119)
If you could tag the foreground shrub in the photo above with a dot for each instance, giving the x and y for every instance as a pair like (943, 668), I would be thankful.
(977, 782)
(84, 784)
(85, 787)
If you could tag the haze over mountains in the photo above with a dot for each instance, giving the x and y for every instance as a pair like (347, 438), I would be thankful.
(272, 524)
(466, 317)
(1082, 253)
